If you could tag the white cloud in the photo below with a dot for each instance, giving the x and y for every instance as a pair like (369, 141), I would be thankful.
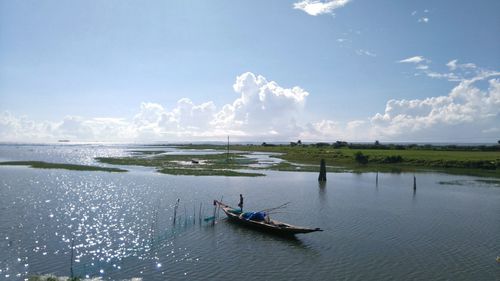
(262, 107)
(464, 114)
(362, 52)
(415, 59)
(423, 20)
(264, 110)
(315, 7)
(458, 72)
(454, 65)
(437, 75)
(422, 67)
(21, 128)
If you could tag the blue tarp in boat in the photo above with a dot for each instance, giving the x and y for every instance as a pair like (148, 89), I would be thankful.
(255, 216)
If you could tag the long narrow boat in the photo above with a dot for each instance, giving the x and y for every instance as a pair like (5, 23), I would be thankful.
(266, 225)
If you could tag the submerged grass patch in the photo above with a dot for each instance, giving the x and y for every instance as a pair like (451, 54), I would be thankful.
(475, 182)
(73, 167)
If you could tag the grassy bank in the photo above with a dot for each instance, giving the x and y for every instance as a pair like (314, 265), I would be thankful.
(73, 167)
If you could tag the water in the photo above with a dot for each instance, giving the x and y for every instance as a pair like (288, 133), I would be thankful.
(385, 232)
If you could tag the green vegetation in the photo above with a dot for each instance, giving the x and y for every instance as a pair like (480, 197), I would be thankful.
(360, 158)
(73, 167)
(206, 172)
(52, 278)
(479, 161)
(147, 152)
(339, 156)
(196, 165)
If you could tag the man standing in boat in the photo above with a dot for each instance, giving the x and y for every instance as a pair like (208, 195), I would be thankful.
(241, 203)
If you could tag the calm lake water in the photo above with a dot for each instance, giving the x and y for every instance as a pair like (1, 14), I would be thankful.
(121, 224)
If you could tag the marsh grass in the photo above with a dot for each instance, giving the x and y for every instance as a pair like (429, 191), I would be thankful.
(73, 167)
(52, 278)
(207, 165)
(307, 158)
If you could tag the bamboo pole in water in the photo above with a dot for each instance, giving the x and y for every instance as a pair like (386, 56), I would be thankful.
(215, 210)
(218, 209)
(72, 254)
(185, 215)
(194, 214)
(199, 214)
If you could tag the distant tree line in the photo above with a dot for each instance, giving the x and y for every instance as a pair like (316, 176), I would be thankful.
(392, 146)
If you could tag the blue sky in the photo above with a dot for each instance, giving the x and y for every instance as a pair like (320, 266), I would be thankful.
(83, 69)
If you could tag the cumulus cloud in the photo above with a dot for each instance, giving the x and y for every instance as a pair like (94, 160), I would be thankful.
(264, 110)
(466, 113)
(314, 7)
(21, 128)
(263, 107)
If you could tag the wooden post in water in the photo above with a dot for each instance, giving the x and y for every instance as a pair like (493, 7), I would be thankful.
(322, 171)
(175, 209)
(414, 183)
(376, 179)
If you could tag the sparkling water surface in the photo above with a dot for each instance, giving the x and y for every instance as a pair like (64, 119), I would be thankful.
(121, 224)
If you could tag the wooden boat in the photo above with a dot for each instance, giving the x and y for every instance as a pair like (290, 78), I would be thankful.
(266, 225)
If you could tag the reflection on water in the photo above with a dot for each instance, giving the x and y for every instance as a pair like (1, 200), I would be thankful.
(122, 224)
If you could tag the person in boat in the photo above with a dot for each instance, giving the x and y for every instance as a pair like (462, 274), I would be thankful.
(241, 203)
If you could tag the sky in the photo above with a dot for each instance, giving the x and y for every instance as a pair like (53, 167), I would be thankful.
(352, 70)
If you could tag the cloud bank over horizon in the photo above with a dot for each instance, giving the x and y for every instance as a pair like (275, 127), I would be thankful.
(266, 111)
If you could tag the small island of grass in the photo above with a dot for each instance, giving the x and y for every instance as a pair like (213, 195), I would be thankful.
(73, 167)
(194, 165)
